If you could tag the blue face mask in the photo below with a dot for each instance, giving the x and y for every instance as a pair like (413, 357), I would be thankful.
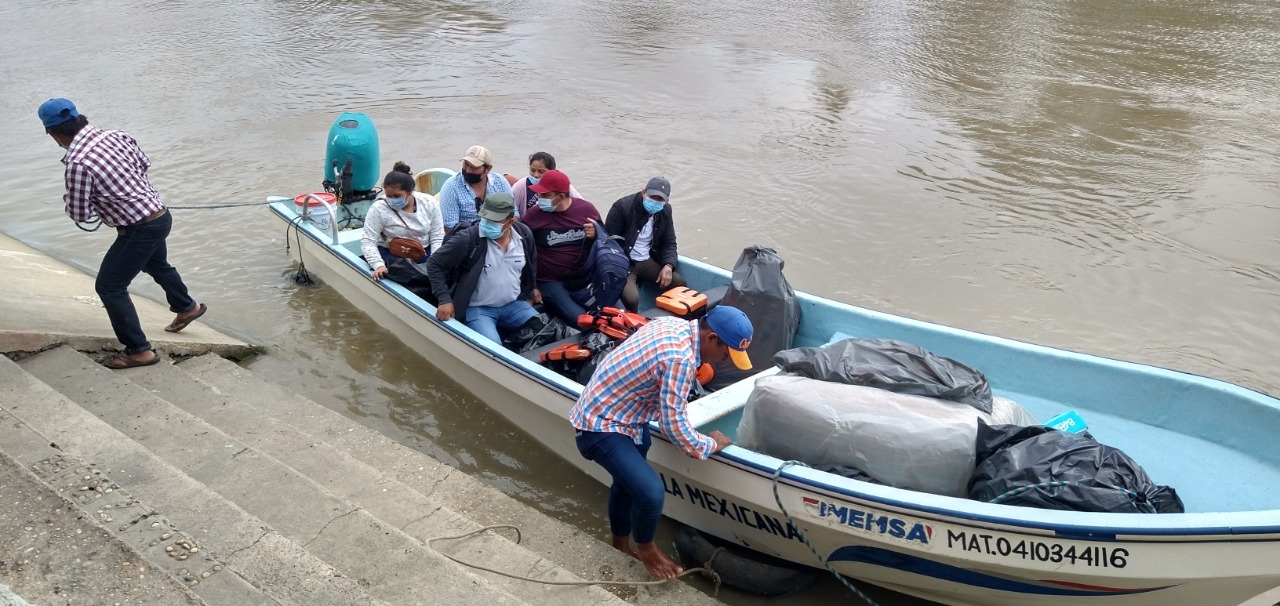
(397, 203)
(652, 206)
(490, 229)
(546, 205)
(534, 180)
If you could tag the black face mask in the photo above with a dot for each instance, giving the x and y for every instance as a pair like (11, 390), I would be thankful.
(472, 178)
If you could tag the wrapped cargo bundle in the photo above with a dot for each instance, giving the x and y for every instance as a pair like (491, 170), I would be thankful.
(905, 441)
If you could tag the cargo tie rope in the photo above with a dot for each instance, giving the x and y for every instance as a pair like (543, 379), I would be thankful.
(1138, 499)
(777, 476)
(705, 569)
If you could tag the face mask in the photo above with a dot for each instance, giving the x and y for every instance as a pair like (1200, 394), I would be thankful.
(653, 207)
(490, 229)
(472, 178)
(546, 205)
(534, 180)
(397, 203)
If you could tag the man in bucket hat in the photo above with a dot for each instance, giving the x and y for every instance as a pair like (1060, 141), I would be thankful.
(647, 378)
(485, 275)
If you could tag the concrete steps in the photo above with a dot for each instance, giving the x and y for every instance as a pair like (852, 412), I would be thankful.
(240, 492)
(383, 497)
(582, 554)
(139, 499)
(386, 563)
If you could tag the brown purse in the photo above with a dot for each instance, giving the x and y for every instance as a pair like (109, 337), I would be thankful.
(405, 248)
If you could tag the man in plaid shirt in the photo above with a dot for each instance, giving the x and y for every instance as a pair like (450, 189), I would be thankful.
(646, 379)
(106, 179)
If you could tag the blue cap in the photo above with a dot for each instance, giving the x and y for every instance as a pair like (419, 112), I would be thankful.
(56, 111)
(734, 329)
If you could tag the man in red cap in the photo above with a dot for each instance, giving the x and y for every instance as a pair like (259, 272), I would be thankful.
(563, 229)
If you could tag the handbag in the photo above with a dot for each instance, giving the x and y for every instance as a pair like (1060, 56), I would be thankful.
(405, 248)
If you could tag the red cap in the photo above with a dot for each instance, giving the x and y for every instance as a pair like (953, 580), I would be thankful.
(553, 181)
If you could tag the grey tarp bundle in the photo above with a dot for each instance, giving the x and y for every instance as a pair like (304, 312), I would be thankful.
(902, 440)
(1098, 477)
(760, 291)
(890, 365)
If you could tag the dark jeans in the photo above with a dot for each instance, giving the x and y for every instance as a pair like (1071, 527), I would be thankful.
(556, 297)
(646, 271)
(139, 249)
(636, 496)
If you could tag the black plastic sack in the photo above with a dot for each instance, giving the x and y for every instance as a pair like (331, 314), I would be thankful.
(892, 366)
(542, 330)
(761, 291)
(600, 345)
(1097, 477)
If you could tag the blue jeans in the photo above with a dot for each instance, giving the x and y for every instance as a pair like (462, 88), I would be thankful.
(139, 249)
(557, 298)
(636, 496)
(488, 320)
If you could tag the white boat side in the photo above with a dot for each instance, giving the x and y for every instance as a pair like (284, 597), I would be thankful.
(950, 550)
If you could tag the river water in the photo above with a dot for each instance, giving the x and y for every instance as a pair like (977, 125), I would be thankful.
(1101, 176)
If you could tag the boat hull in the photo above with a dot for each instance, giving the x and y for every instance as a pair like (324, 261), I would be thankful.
(942, 549)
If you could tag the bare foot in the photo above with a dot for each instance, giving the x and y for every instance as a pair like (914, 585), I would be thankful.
(623, 544)
(656, 562)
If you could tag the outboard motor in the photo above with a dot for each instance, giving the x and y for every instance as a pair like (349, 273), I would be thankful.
(351, 160)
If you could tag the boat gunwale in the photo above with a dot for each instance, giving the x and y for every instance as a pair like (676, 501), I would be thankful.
(1263, 525)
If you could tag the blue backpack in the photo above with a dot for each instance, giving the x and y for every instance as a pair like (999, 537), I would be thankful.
(602, 277)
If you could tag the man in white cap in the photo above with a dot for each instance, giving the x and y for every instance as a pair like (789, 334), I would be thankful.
(462, 194)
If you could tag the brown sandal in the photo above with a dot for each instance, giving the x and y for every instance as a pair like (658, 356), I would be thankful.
(181, 323)
(120, 361)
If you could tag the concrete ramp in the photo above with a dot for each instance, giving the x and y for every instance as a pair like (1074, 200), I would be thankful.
(45, 303)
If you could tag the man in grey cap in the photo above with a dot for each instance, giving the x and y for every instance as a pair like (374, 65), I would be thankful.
(485, 275)
(643, 220)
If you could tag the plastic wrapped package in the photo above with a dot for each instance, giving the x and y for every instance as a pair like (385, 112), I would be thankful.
(1096, 477)
(761, 291)
(901, 440)
(547, 329)
(890, 365)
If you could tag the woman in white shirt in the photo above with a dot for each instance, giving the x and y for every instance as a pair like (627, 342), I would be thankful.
(400, 212)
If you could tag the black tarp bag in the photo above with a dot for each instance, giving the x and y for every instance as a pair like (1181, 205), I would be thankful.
(542, 329)
(1095, 477)
(761, 291)
(892, 366)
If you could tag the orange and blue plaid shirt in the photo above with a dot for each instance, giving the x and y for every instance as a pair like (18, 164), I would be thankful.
(647, 378)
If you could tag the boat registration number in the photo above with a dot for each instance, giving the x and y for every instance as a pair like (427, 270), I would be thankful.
(1039, 551)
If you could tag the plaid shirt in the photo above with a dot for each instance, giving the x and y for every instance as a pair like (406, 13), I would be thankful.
(647, 378)
(458, 200)
(107, 178)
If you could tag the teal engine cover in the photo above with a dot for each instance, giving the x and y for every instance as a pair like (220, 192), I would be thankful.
(354, 138)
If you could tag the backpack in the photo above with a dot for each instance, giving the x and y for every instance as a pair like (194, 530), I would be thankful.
(600, 281)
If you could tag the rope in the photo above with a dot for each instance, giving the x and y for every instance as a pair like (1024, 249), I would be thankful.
(96, 223)
(705, 569)
(1138, 500)
(777, 475)
(301, 277)
(212, 206)
(1017, 491)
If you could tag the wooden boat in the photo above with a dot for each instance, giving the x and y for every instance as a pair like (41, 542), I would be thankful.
(1213, 441)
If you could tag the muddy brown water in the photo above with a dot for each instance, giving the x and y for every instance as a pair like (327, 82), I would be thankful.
(1091, 175)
